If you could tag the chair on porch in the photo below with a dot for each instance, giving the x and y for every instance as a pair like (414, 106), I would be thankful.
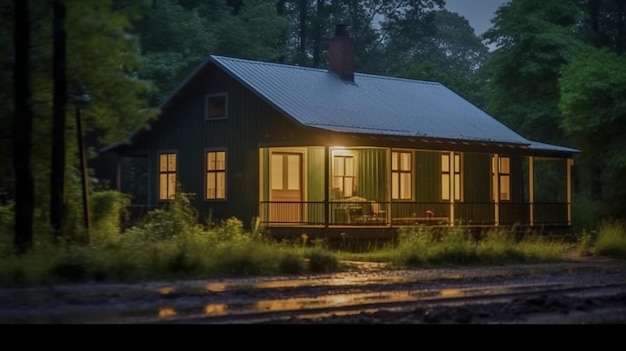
(372, 212)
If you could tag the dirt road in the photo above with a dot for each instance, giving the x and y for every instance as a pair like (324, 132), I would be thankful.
(366, 294)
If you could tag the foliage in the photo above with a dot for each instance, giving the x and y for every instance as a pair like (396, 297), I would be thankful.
(176, 218)
(252, 33)
(593, 103)
(102, 61)
(424, 246)
(7, 216)
(535, 40)
(171, 53)
(108, 209)
(585, 212)
(321, 261)
(585, 241)
(611, 239)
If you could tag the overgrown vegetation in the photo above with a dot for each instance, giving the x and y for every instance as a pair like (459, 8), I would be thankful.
(170, 244)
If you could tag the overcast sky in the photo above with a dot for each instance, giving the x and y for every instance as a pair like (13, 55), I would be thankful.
(478, 12)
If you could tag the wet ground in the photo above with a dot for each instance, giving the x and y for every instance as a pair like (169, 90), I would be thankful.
(206, 301)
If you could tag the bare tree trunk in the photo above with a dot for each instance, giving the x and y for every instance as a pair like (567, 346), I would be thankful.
(303, 8)
(318, 27)
(57, 175)
(22, 131)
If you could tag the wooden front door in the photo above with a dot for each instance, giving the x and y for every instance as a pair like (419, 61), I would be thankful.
(286, 187)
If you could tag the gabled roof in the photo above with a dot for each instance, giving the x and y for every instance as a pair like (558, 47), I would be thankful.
(371, 104)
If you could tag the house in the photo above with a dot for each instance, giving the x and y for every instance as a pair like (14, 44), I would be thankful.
(324, 152)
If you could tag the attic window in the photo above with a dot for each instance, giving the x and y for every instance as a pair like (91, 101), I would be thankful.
(216, 106)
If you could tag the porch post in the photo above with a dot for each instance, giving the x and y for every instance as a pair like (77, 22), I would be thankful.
(531, 188)
(452, 190)
(495, 170)
(570, 164)
(327, 213)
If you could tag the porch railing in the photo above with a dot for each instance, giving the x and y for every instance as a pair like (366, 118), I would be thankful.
(372, 213)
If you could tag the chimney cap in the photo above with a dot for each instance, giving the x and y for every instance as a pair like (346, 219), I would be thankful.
(341, 30)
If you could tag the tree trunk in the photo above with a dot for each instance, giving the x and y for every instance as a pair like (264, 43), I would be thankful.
(22, 131)
(57, 174)
(302, 32)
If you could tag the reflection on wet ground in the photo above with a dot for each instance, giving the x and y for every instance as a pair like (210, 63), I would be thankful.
(104, 303)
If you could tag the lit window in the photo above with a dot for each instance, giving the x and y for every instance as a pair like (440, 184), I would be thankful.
(401, 174)
(504, 174)
(167, 176)
(344, 175)
(446, 174)
(215, 175)
(216, 106)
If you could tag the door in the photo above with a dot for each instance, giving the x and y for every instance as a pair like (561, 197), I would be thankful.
(286, 187)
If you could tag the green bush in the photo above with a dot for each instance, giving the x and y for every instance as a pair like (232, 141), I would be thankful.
(291, 263)
(611, 239)
(109, 209)
(177, 218)
(7, 217)
(321, 261)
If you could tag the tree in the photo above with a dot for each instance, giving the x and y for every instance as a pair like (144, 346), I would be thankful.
(605, 24)
(405, 27)
(453, 57)
(593, 103)
(252, 33)
(22, 130)
(171, 53)
(535, 39)
(57, 174)
(102, 59)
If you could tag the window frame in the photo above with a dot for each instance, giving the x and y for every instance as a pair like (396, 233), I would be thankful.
(337, 178)
(396, 155)
(167, 173)
(208, 171)
(208, 106)
(504, 174)
(456, 174)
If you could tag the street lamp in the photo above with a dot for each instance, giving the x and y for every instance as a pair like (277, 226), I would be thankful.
(81, 100)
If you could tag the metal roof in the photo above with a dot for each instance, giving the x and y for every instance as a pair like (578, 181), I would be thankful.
(371, 104)
(535, 145)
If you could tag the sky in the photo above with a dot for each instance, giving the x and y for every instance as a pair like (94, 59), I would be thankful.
(478, 12)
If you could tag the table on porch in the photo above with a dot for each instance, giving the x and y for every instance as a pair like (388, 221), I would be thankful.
(413, 220)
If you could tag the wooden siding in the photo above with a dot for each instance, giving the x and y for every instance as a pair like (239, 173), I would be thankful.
(427, 176)
(476, 177)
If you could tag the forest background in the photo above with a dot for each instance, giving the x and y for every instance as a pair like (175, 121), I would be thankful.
(556, 74)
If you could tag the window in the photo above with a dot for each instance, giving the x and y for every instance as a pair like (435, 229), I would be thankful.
(167, 176)
(401, 172)
(502, 169)
(344, 175)
(215, 175)
(446, 173)
(216, 106)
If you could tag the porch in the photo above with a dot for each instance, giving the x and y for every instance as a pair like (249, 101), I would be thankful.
(363, 213)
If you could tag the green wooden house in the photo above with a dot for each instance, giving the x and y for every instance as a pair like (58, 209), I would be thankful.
(302, 150)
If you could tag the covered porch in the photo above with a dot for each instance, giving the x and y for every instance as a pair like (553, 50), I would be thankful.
(378, 187)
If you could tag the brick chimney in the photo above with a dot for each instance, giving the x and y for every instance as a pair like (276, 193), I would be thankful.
(341, 53)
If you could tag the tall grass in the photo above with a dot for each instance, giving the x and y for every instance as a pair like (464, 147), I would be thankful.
(171, 244)
(168, 244)
(611, 239)
(424, 246)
